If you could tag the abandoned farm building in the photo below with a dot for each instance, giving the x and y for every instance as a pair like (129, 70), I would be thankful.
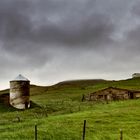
(112, 93)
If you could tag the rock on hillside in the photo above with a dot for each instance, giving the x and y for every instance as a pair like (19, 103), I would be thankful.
(135, 75)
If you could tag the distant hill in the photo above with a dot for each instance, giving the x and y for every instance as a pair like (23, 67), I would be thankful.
(81, 86)
(81, 82)
(71, 83)
(4, 91)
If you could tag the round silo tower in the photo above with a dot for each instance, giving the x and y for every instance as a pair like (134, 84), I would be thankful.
(20, 92)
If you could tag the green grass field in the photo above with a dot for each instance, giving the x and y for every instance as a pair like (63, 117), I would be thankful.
(60, 113)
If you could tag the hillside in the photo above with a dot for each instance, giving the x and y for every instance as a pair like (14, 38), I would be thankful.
(80, 83)
(60, 113)
(73, 90)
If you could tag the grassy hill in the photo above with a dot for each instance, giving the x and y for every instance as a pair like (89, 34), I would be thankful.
(60, 113)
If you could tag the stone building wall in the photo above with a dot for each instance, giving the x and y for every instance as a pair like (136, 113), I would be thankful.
(113, 94)
(19, 94)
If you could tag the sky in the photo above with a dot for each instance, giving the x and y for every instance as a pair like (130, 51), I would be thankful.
(49, 41)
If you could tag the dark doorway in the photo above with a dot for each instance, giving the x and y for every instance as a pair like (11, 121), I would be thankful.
(131, 95)
(105, 97)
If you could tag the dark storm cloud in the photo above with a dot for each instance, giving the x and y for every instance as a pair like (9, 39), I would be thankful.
(13, 22)
(53, 22)
(136, 9)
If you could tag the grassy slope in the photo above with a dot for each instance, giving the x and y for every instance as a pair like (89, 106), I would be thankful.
(62, 114)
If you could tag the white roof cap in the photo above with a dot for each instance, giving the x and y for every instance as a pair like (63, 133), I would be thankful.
(20, 78)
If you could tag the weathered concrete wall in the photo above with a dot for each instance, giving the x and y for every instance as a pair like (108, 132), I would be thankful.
(19, 94)
(113, 94)
(137, 95)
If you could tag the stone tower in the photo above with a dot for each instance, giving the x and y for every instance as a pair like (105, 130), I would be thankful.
(20, 92)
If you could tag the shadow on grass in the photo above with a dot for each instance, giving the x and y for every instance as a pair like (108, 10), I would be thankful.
(6, 107)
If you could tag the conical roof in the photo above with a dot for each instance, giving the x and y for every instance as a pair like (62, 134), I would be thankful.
(20, 78)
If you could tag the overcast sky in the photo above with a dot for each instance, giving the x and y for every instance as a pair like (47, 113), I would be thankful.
(55, 40)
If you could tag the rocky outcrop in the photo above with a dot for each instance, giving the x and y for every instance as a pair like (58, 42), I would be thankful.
(135, 75)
